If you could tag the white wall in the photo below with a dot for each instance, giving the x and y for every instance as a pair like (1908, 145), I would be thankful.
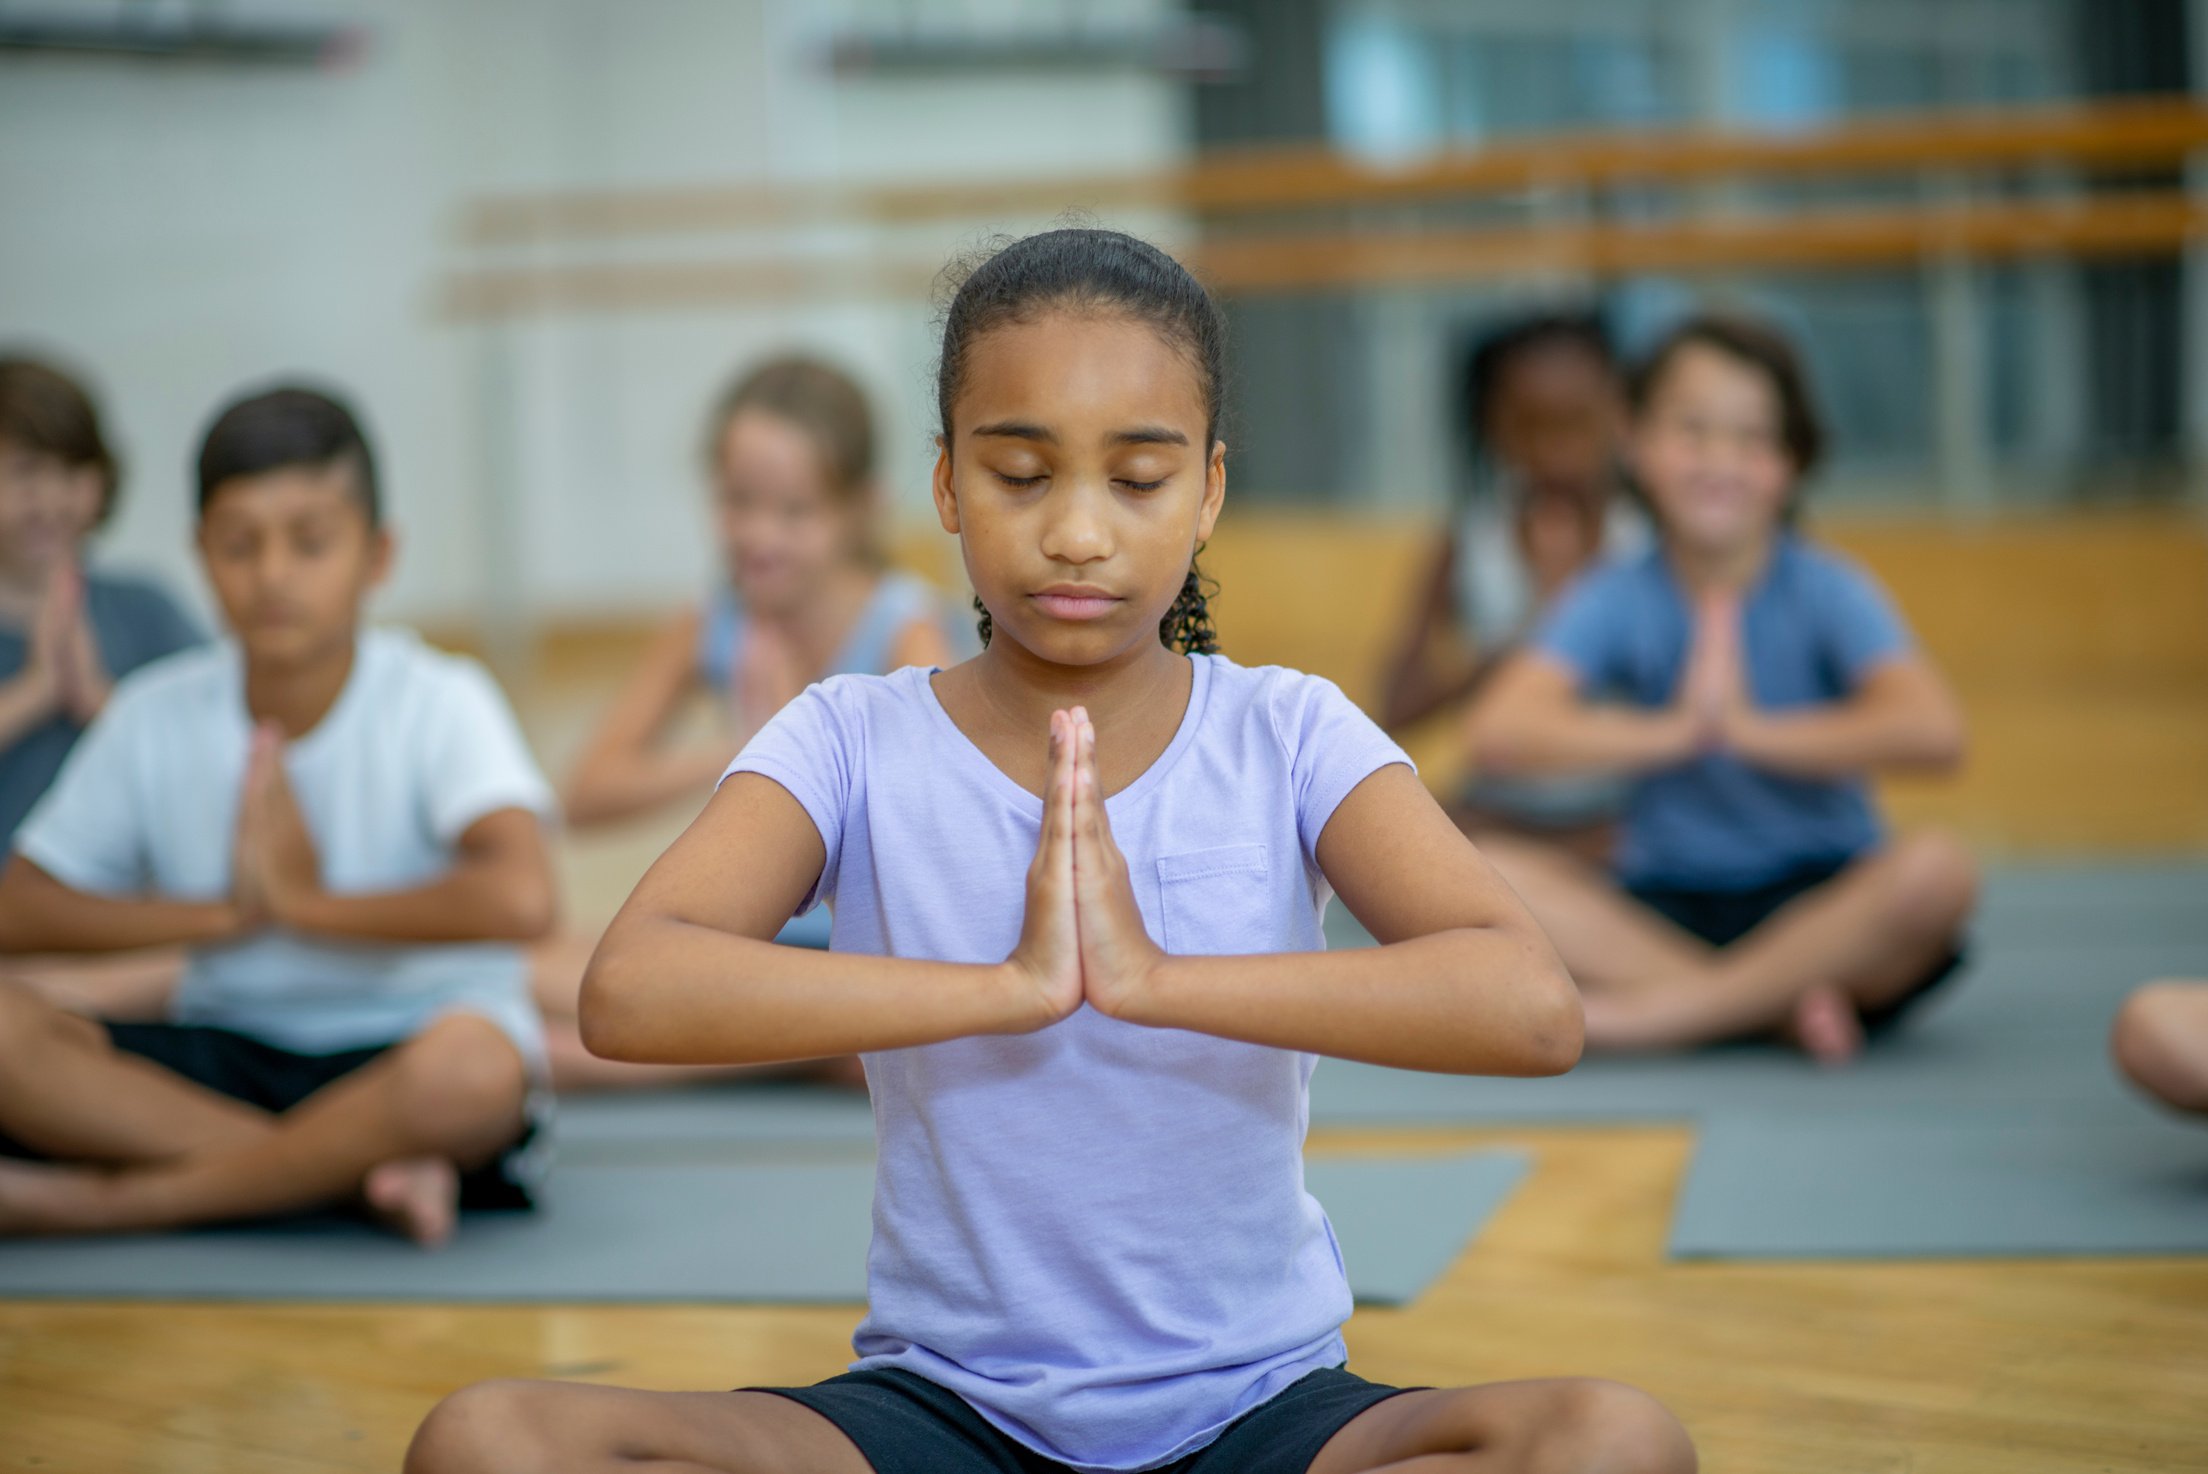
(182, 229)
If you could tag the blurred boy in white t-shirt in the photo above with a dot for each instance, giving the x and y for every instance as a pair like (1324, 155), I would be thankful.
(345, 829)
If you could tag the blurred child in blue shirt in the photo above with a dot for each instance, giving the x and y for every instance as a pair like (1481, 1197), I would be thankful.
(1751, 681)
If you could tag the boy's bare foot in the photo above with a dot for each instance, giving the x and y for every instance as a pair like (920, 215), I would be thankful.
(415, 1196)
(1826, 1027)
(48, 1197)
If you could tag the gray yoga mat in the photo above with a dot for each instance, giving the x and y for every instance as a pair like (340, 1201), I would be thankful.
(703, 1231)
(811, 1116)
(2053, 953)
(1975, 1184)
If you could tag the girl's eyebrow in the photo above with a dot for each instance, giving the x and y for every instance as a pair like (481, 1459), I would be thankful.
(1017, 430)
(1148, 435)
(1029, 430)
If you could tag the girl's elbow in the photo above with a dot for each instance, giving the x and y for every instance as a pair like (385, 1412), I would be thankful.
(602, 1019)
(1559, 1035)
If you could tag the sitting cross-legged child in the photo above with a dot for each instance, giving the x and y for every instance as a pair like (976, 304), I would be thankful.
(346, 831)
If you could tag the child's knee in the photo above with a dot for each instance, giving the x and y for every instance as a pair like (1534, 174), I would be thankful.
(2148, 1042)
(483, 1429)
(457, 1076)
(1932, 882)
(1613, 1427)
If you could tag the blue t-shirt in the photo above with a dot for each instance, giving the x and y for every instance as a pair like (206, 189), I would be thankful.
(134, 623)
(1097, 1234)
(1813, 626)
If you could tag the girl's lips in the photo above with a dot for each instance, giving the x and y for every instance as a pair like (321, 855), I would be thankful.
(1075, 606)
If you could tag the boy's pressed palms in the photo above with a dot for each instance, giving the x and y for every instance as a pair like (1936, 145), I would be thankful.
(279, 866)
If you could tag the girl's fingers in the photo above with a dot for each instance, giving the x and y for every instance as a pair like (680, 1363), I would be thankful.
(1054, 816)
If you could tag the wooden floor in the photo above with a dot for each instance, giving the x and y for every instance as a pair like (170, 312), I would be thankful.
(1996, 1367)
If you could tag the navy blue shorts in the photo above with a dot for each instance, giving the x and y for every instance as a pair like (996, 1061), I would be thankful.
(905, 1424)
(1722, 918)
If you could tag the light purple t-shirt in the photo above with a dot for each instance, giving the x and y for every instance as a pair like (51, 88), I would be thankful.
(1097, 1234)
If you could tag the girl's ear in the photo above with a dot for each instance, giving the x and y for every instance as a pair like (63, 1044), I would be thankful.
(1215, 491)
(946, 500)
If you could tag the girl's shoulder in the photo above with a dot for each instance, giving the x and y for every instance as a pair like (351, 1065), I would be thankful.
(1293, 705)
(860, 698)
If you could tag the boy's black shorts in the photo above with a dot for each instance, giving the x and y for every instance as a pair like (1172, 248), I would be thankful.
(905, 1424)
(1722, 918)
(274, 1079)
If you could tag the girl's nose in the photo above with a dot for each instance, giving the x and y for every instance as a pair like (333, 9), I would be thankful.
(1077, 531)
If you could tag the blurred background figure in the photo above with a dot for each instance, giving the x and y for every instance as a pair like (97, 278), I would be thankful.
(1544, 418)
(68, 632)
(1747, 682)
(803, 595)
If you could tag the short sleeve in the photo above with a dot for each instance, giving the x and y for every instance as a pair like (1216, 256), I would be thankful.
(1860, 623)
(475, 761)
(1583, 630)
(807, 748)
(87, 830)
(1332, 747)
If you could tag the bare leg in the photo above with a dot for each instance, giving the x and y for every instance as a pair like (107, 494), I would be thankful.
(2160, 1042)
(1556, 1426)
(455, 1091)
(1863, 938)
(1613, 945)
(556, 978)
(131, 986)
(66, 1092)
(572, 1428)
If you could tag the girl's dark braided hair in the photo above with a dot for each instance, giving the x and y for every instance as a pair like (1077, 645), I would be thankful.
(1086, 269)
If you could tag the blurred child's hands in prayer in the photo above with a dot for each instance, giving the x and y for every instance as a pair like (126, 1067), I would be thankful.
(279, 872)
(768, 677)
(82, 679)
(1713, 691)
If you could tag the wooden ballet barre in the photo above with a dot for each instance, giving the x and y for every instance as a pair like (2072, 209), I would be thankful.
(2092, 138)
(2132, 224)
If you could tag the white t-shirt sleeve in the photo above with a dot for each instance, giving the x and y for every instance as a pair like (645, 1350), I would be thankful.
(809, 749)
(1332, 747)
(88, 829)
(474, 760)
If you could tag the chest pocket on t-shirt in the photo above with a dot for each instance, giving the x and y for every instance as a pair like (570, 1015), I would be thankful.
(1218, 901)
